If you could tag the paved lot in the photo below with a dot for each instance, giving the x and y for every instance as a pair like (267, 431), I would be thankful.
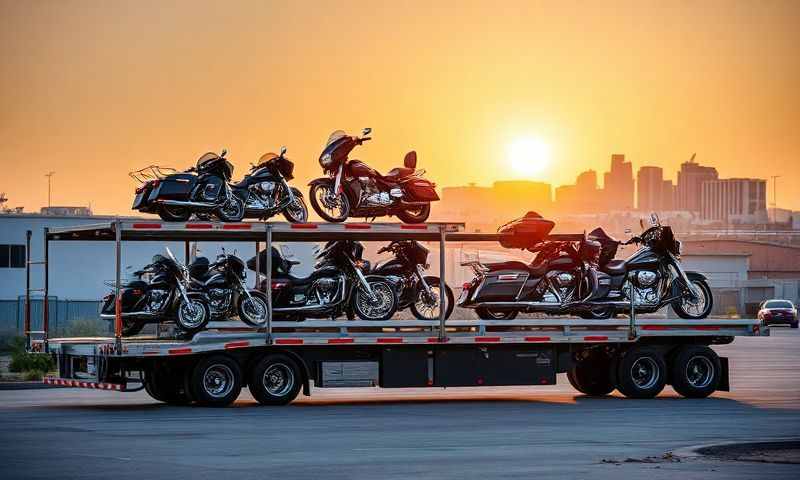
(541, 432)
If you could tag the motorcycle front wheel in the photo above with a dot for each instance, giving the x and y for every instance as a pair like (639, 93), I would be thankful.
(331, 207)
(695, 309)
(253, 310)
(380, 306)
(416, 214)
(425, 308)
(232, 211)
(172, 213)
(193, 316)
(296, 212)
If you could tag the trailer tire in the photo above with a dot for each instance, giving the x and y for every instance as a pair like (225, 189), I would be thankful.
(641, 373)
(215, 381)
(695, 371)
(166, 386)
(592, 376)
(275, 380)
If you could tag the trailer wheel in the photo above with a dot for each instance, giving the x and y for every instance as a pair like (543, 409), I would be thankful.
(641, 373)
(695, 371)
(592, 376)
(275, 380)
(216, 381)
(166, 386)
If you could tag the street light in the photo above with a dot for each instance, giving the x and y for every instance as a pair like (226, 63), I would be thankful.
(49, 176)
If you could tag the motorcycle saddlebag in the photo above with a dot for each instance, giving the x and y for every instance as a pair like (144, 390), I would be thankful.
(174, 187)
(525, 232)
(420, 190)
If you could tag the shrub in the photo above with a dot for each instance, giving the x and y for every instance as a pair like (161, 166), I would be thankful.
(11, 342)
(33, 375)
(22, 361)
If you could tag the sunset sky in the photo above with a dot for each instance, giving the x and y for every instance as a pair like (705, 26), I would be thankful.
(94, 89)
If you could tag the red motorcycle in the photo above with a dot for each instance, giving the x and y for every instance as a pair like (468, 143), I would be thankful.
(354, 189)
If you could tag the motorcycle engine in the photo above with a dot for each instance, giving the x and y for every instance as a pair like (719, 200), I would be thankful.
(264, 192)
(371, 196)
(156, 300)
(564, 279)
(218, 300)
(326, 289)
(642, 286)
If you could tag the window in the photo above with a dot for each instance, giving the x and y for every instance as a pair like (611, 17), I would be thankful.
(12, 256)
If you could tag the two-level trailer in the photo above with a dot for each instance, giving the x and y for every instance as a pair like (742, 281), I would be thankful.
(636, 356)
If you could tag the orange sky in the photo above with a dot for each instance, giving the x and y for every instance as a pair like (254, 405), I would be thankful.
(94, 89)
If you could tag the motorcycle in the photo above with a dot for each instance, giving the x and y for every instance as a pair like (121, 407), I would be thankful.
(340, 284)
(265, 191)
(223, 283)
(202, 190)
(581, 278)
(415, 290)
(166, 295)
(354, 189)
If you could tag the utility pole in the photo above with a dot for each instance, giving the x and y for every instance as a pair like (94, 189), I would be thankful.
(775, 198)
(49, 176)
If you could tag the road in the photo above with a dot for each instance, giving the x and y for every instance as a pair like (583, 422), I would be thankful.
(541, 432)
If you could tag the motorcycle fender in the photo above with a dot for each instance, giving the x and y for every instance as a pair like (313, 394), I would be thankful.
(296, 191)
(320, 181)
(394, 281)
(695, 276)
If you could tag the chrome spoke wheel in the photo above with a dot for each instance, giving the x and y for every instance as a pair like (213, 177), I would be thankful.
(334, 205)
(192, 314)
(379, 304)
(255, 309)
(699, 371)
(429, 305)
(645, 373)
(695, 306)
(218, 380)
(278, 379)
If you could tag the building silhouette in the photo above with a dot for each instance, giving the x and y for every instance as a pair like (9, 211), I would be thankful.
(618, 184)
(689, 190)
(734, 200)
(649, 186)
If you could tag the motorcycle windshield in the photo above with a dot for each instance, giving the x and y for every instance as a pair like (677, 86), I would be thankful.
(269, 156)
(334, 137)
(206, 158)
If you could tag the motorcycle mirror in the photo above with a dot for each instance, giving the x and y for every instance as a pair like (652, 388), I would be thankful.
(224, 152)
(283, 151)
(366, 131)
(654, 219)
(641, 224)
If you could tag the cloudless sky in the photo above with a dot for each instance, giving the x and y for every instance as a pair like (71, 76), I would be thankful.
(94, 89)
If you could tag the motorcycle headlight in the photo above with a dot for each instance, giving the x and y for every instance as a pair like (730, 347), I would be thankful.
(325, 160)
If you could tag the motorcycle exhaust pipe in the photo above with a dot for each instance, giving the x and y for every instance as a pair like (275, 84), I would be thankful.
(181, 203)
(111, 316)
(519, 305)
(404, 203)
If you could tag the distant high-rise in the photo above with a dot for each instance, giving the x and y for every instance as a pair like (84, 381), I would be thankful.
(735, 200)
(667, 196)
(649, 189)
(690, 185)
(618, 184)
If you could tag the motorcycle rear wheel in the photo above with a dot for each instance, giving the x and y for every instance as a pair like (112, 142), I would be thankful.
(297, 212)
(171, 213)
(489, 314)
(418, 215)
(424, 310)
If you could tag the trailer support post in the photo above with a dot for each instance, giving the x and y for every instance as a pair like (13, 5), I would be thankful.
(186, 252)
(117, 289)
(46, 306)
(268, 249)
(258, 266)
(27, 314)
(632, 328)
(442, 284)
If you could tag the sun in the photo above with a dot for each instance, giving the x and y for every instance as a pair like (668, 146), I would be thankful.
(528, 156)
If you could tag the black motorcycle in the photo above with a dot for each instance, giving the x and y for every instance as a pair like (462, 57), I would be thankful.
(340, 284)
(164, 296)
(224, 285)
(202, 190)
(581, 278)
(265, 191)
(415, 290)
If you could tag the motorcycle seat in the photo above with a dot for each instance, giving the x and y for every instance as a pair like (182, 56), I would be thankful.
(535, 270)
(398, 173)
(615, 267)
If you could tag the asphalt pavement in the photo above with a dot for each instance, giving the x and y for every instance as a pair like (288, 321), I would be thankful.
(521, 432)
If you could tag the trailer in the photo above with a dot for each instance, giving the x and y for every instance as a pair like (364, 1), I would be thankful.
(636, 356)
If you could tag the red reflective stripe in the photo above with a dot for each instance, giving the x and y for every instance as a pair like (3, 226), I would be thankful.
(537, 339)
(237, 226)
(304, 226)
(231, 345)
(289, 341)
(357, 226)
(390, 340)
(151, 352)
(487, 339)
(595, 339)
(413, 227)
(655, 327)
(705, 327)
(179, 351)
(340, 340)
(199, 226)
(146, 225)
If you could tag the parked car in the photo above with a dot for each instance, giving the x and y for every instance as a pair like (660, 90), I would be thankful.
(777, 312)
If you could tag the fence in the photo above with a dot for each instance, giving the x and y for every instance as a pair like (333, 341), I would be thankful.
(63, 314)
